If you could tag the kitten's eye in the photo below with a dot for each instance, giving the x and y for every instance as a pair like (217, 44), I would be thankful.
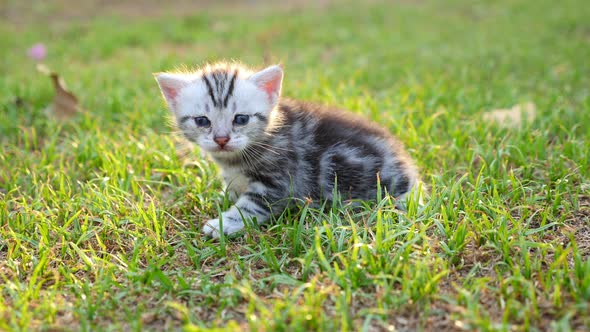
(241, 119)
(202, 121)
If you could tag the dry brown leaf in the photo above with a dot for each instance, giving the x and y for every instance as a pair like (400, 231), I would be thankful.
(512, 117)
(65, 104)
(148, 317)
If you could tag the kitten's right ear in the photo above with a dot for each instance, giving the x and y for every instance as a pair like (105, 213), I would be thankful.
(170, 84)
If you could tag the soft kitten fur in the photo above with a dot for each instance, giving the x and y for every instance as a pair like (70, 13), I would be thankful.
(275, 149)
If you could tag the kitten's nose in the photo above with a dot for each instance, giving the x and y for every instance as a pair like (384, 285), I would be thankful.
(221, 141)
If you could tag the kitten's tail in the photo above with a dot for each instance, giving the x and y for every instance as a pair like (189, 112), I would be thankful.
(417, 195)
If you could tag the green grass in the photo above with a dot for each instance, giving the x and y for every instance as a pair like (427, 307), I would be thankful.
(100, 215)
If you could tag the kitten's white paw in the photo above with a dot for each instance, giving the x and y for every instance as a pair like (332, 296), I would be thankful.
(212, 228)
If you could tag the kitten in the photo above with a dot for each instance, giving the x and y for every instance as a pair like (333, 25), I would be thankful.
(271, 149)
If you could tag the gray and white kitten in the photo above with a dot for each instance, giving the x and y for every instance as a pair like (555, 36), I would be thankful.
(271, 149)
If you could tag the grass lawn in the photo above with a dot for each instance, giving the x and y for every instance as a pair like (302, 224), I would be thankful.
(100, 215)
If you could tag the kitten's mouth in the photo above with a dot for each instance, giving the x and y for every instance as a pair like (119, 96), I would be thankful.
(224, 149)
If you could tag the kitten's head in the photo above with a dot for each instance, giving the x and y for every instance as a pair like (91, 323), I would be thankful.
(224, 107)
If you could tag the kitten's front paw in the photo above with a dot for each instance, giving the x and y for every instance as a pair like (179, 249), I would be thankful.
(212, 227)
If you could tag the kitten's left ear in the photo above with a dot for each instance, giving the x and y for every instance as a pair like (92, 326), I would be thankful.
(171, 84)
(269, 80)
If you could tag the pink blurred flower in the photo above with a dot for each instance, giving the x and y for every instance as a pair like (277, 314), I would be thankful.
(37, 52)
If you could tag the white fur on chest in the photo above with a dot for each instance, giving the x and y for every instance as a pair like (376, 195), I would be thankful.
(236, 183)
